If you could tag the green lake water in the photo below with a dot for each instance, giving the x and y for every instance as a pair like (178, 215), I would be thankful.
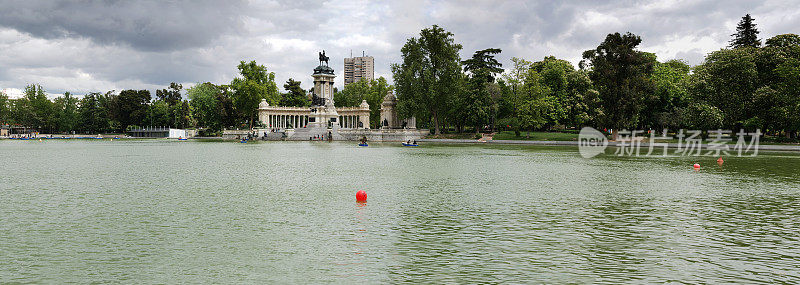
(159, 211)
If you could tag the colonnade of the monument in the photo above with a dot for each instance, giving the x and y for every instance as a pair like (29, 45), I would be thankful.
(301, 121)
(350, 122)
(286, 121)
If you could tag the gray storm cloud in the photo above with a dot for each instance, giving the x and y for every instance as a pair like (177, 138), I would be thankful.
(86, 46)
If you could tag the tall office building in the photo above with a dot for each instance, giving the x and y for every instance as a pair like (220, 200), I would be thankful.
(357, 68)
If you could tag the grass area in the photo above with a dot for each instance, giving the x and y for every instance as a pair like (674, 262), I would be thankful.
(536, 136)
(457, 136)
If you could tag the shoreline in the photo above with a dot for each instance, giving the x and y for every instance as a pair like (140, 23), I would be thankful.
(704, 147)
(761, 147)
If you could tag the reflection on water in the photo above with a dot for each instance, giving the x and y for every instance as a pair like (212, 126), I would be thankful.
(204, 212)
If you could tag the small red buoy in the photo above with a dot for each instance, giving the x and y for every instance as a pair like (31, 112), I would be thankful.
(696, 165)
(720, 161)
(361, 196)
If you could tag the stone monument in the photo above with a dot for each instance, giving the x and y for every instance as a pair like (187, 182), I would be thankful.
(323, 113)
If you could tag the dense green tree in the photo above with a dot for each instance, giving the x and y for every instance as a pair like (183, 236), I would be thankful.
(34, 109)
(533, 106)
(227, 109)
(510, 86)
(5, 110)
(158, 115)
(476, 106)
(573, 101)
(701, 116)
(371, 90)
(172, 95)
(661, 108)
(67, 112)
(427, 76)
(181, 115)
(483, 65)
(205, 105)
(255, 83)
(778, 98)
(92, 117)
(746, 34)
(785, 40)
(130, 107)
(622, 76)
(728, 80)
(352, 94)
(295, 95)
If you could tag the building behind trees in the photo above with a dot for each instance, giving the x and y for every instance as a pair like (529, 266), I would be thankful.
(357, 68)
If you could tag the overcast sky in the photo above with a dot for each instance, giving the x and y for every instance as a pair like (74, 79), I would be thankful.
(88, 46)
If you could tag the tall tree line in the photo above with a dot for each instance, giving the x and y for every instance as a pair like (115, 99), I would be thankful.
(616, 86)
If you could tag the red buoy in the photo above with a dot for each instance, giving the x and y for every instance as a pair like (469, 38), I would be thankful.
(361, 196)
(696, 165)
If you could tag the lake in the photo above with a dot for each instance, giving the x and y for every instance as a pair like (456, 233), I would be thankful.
(165, 211)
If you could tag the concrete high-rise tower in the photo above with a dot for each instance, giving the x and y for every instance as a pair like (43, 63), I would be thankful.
(357, 68)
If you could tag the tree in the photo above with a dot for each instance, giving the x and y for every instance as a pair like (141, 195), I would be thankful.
(778, 99)
(477, 106)
(182, 115)
(510, 87)
(205, 106)
(5, 110)
(158, 114)
(702, 116)
(92, 116)
(171, 96)
(130, 107)
(67, 112)
(255, 83)
(785, 40)
(295, 95)
(661, 108)
(622, 75)
(373, 91)
(570, 93)
(228, 112)
(427, 76)
(746, 34)
(34, 109)
(483, 65)
(728, 79)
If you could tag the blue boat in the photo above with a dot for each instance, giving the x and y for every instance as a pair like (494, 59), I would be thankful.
(363, 144)
(409, 144)
(181, 139)
(243, 141)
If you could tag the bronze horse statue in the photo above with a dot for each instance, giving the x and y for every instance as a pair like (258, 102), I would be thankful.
(324, 58)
